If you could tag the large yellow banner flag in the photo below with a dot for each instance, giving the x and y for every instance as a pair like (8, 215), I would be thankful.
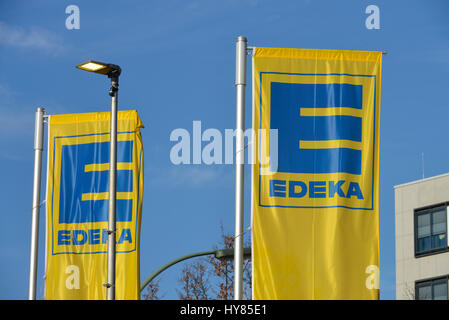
(77, 205)
(315, 179)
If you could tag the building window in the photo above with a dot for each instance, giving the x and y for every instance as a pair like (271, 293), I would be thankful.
(435, 289)
(430, 230)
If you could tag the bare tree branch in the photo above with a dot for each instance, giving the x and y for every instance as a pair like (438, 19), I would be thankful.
(211, 278)
(152, 291)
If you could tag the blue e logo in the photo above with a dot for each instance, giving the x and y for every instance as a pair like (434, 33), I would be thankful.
(85, 181)
(319, 127)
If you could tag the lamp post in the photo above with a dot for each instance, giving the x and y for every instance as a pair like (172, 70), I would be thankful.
(113, 72)
(223, 254)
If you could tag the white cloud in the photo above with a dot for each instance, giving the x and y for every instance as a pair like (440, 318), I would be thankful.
(191, 176)
(13, 121)
(33, 38)
(6, 93)
(194, 175)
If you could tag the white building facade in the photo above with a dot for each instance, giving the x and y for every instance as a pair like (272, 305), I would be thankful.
(422, 245)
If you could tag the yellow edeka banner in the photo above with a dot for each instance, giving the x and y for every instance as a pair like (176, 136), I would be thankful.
(77, 205)
(315, 202)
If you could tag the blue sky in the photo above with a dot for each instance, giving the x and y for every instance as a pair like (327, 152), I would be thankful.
(178, 61)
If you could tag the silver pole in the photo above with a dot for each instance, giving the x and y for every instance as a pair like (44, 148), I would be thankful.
(110, 286)
(240, 83)
(38, 148)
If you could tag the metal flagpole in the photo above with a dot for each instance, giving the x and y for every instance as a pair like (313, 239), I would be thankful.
(240, 83)
(38, 148)
(110, 285)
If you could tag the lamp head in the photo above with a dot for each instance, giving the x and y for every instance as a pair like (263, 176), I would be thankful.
(111, 70)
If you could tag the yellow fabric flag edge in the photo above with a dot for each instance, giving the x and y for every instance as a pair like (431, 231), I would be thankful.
(319, 54)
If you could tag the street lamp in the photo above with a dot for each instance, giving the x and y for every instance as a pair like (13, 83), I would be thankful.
(221, 254)
(100, 67)
(113, 72)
